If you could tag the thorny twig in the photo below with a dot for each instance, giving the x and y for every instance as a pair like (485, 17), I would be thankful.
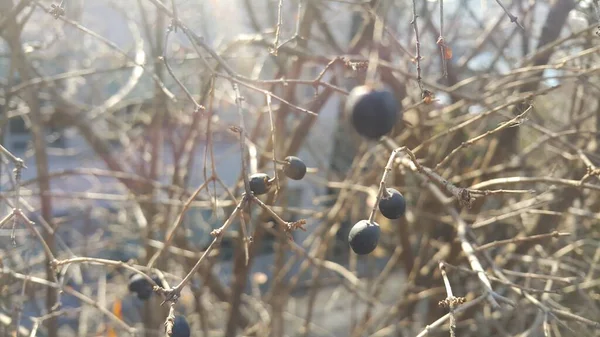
(511, 16)
(172, 295)
(450, 302)
(57, 10)
(418, 45)
(19, 166)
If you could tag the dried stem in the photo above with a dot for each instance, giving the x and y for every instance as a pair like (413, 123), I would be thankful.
(517, 240)
(278, 29)
(418, 45)
(450, 301)
(275, 171)
(441, 42)
(510, 16)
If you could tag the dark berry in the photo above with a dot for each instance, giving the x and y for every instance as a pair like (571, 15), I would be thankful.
(394, 205)
(373, 111)
(295, 168)
(139, 285)
(181, 328)
(260, 183)
(364, 237)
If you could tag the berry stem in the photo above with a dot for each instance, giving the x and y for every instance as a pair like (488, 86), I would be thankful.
(268, 97)
(238, 101)
(386, 171)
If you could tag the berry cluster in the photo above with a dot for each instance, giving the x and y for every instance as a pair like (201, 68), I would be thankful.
(364, 235)
(374, 112)
(139, 285)
(293, 167)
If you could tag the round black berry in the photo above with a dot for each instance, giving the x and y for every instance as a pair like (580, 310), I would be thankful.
(295, 168)
(260, 183)
(181, 328)
(373, 111)
(140, 286)
(364, 237)
(394, 205)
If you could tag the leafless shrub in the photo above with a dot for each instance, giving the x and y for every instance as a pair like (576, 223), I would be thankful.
(130, 131)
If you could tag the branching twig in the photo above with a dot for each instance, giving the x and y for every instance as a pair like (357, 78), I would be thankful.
(450, 302)
(238, 100)
(172, 295)
(172, 27)
(278, 29)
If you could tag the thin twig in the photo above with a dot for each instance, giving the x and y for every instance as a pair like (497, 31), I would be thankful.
(172, 295)
(171, 233)
(374, 55)
(278, 29)
(418, 44)
(450, 300)
(238, 100)
(275, 171)
(172, 27)
(517, 240)
(516, 121)
(442, 319)
(510, 16)
(441, 42)
(175, 16)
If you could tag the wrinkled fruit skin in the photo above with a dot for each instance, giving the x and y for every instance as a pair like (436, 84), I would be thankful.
(295, 168)
(364, 236)
(139, 285)
(373, 112)
(259, 183)
(394, 206)
(181, 328)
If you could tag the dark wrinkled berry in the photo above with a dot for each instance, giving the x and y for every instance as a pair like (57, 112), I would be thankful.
(394, 205)
(259, 183)
(364, 237)
(140, 286)
(181, 328)
(295, 168)
(373, 111)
